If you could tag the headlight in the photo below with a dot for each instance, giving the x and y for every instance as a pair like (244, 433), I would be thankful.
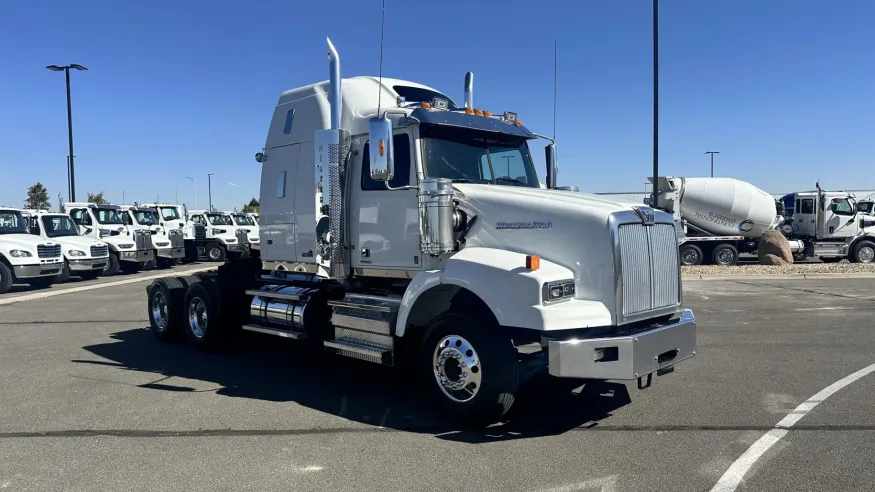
(20, 253)
(219, 231)
(125, 246)
(230, 240)
(76, 252)
(557, 291)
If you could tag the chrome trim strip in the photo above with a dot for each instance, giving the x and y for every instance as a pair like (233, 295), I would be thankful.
(273, 331)
(363, 307)
(355, 348)
(383, 272)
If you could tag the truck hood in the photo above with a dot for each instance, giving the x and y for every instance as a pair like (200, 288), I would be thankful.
(564, 227)
(23, 241)
(81, 243)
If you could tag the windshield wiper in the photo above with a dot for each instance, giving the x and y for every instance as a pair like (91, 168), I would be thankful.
(461, 180)
(508, 178)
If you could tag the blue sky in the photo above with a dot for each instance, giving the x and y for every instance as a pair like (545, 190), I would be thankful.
(784, 89)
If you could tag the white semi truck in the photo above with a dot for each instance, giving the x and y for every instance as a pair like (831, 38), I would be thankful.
(247, 223)
(168, 241)
(228, 240)
(173, 216)
(25, 258)
(129, 250)
(718, 218)
(415, 233)
(84, 257)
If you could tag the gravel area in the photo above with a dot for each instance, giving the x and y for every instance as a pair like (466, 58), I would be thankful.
(798, 269)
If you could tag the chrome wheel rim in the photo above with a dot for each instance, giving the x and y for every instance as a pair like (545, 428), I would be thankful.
(866, 254)
(215, 253)
(457, 368)
(724, 257)
(159, 310)
(690, 257)
(197, 317)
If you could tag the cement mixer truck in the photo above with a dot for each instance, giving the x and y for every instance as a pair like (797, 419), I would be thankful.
(718, 218)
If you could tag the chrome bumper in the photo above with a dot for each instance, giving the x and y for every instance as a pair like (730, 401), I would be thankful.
(629, 357)
(139, 256)
(34, 271)
(235, 247)
(171, 252)
(87, 265)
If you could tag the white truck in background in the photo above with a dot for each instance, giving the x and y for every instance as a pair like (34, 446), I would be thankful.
(418, 235)
(228, 240)
(195, 240)
(168, 240)
(718, 218)
(129, 250)
(25, 258)
(248, 224)
(84, 257)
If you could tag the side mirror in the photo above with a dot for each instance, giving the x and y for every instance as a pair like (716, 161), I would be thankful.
(382, 156)
(552, 165)
(126, 219)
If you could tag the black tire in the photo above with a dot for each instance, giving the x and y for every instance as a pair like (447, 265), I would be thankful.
(130, 266)
(112, 266)
(89, 274)
(150, 264)
(725, 255)
(167, 316)
(690, 255)
(64, 276)
(498, 383)
(831, 259)
(217, 253)
(6, 278)
(202, 300)
(42, 282)
(864, 252)
(165, 263)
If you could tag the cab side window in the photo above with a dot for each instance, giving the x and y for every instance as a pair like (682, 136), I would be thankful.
(401, 143)
(199, 219)
(842, 207)
(81, 216)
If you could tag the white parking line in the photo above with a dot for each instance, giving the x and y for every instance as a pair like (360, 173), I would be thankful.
(604, 484)
(733, 476)
(73, 290)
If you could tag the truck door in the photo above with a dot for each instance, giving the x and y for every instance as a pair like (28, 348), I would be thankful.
(804, 217)
(385, 223)
(82, 219)
(840, 219)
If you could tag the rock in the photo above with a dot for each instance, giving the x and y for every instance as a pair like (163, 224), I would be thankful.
(772, 260)
(773, 243)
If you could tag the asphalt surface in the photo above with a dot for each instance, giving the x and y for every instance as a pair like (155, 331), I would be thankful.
(90, 400)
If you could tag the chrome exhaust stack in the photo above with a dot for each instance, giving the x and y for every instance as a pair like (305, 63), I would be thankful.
(469, 90)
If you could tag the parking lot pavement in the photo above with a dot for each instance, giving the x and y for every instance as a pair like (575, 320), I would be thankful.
(91, 400)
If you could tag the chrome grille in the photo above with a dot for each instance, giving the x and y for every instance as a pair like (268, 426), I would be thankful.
(143, 240)
(649, 266)
(176, 239)
(242, 237)
(46, 251)
(99, 251)
(200, 231)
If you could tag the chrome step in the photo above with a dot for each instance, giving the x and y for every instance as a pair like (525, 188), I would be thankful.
(295, 335)
(373, 314)
(365, 350)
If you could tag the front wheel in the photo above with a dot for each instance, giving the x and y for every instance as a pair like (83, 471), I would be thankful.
(131, 266)
(5, 278)
(164, 263)
(831, 259)
(65, 273)
(691, 255)
(864, 252)
(216, 253)
(112, 266)
(469, 367)
(89, 274)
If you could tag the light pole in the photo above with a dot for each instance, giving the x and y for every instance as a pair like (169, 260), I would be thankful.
(712, 161)
(210, 190)
(654, 188)
(194, 184)
(237, 189)
(66, 70)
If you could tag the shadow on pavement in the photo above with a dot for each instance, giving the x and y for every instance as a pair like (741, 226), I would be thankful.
(264, 369)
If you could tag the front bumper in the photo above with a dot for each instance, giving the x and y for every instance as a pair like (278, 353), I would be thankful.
(172, 253)
(35, 271)
(87, 265)
(142, 255)
(235, 247)
(628, 357)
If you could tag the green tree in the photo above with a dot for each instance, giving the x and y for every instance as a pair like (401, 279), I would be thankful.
(96, 198)
(251, 207)
(37, 197)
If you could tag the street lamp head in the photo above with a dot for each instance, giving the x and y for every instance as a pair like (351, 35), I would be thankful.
(77, 67)
(55, 68)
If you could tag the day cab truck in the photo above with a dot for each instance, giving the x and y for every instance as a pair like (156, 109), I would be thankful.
(228, 241)
(195, 241)
(129, 250)
(404, 230)
(247, 224)
(84, 257)
(168, 241)
(25, 258)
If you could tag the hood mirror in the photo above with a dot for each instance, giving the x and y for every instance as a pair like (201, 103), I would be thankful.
(552, 165)
(380, 143)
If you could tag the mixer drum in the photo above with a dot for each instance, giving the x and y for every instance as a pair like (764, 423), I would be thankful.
(726, 206)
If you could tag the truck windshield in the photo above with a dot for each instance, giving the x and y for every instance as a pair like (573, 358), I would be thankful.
(108, 216)
(170, 213)
(59, 226)
(12, 222)
(219, 219)
(865, 207)
(242, 220)
(476, 157)
(146, 217)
